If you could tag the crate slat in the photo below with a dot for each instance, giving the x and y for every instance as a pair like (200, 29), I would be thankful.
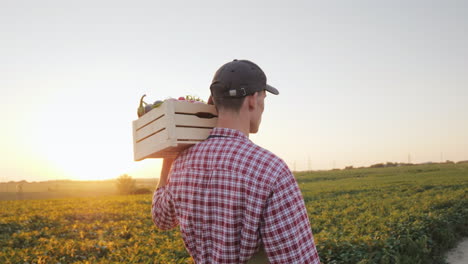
(192, 134)
(146, 147)
(192, 108)
(150, 129)
(194, 121)
(150, 117)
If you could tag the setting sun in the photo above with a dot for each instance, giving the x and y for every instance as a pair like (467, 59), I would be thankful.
(71, 141)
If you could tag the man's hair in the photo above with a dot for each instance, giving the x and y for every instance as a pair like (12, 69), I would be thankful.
(233, 104)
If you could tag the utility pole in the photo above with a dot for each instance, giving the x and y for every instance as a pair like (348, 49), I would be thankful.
(309, 167)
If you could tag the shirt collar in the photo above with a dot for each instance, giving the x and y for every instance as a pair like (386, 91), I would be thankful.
(228, 132)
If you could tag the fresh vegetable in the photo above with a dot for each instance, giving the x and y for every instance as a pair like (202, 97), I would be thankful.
(148, 108)
(193, 99)
(141, 109)
(144, 107)
(157, 103)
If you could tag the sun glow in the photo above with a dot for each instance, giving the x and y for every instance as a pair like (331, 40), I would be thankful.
(84, 146)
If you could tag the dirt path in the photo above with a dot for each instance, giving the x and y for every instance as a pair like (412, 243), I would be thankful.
(459, 255)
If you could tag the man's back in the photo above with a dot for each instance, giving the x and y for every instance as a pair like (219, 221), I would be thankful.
(230, 198)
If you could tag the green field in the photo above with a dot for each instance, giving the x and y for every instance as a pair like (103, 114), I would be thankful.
(409, 214)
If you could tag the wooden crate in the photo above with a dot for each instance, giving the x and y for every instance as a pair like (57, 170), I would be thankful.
(171, 128)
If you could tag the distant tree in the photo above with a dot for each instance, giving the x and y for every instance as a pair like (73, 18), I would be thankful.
(378, 165)
(125, 184)
(406, 164)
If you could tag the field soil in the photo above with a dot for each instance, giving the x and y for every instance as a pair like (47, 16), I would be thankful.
(459, 255)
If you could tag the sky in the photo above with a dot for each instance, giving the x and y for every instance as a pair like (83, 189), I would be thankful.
(361, 82)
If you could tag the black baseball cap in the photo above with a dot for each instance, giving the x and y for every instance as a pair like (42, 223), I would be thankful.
(239, 78)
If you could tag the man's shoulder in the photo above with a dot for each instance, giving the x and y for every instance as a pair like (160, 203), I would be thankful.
(242, 152)
(263, 155)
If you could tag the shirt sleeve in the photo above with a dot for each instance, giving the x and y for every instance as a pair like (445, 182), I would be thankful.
(285, 227)
(163, 210)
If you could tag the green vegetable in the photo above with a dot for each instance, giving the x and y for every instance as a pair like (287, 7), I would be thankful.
(141, 108)
(157, 103)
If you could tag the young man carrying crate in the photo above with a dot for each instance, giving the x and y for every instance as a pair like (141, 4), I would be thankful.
(235, 202)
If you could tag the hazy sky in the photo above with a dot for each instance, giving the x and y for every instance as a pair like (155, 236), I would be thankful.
(360, 82)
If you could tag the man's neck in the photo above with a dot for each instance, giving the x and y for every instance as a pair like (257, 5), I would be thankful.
(234, 121)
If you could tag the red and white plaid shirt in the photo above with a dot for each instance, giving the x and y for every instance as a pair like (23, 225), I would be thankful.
(230, 197)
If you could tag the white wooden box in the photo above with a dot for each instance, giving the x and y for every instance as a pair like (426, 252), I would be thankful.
(171, 128)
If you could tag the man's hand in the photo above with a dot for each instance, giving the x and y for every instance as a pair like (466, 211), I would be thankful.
(167, 163)
(210, 100)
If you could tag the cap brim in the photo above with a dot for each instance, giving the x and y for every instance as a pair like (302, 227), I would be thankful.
(272, 89)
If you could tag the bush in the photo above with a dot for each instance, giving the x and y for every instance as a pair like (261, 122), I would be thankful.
(125, 184)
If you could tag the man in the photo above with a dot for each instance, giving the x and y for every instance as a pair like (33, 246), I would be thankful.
(232, 198)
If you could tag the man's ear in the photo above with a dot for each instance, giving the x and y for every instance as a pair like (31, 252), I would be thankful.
(252, 101)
